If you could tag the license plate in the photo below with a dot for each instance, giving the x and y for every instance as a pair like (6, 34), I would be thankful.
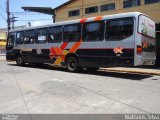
(147, 63)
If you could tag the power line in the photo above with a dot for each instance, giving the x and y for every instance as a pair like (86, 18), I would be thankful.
(19, 12)
(25, 12)
(30, 14)
(3, 17)
(36, 20)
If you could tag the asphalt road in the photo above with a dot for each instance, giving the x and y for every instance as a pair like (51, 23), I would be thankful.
(33, 89)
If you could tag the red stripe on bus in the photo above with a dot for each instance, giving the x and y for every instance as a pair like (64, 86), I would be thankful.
(53, 51)
(64, 45)
(83, 20)
(98, 18)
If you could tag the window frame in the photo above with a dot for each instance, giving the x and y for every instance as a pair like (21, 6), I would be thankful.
(70, 13)
(138, 3)
(87, 10)
(150, 2)
(125, 18)
(22, 38)
(49, 41)
(107, 6)
(36, 36)
(33, 36)
(84, 30)
(79, 33)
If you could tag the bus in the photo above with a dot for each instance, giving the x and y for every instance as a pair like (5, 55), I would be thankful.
(126, 39)
(158, 44)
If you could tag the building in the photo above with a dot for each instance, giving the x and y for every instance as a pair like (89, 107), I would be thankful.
(3, 38)
(75, 9)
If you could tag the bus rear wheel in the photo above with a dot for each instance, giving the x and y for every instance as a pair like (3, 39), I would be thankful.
(72, 64)
(19, 61)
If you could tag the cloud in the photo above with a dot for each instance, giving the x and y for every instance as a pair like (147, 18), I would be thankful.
(39, 23)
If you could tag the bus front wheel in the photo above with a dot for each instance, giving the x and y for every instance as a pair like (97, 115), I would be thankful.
(19, 61)
(72, 64)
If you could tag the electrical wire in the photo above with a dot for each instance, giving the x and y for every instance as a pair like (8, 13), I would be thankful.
(3, 17)
(28, 14)
(36, 20)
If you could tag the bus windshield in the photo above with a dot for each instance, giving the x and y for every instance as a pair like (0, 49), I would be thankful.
(10, 41)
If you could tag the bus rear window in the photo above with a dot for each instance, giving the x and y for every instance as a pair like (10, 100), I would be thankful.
(146, 26)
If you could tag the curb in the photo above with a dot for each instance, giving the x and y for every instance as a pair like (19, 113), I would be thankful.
(124, 70)
(3, 60)
(134, 70)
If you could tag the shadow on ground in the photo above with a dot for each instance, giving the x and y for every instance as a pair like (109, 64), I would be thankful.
(123, 75)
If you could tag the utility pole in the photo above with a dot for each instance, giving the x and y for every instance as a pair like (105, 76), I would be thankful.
(12, 20)
(8, 15)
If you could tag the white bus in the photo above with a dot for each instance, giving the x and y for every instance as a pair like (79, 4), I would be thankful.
(126, 39)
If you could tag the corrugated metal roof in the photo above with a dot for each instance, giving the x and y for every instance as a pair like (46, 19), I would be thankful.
(64, 4)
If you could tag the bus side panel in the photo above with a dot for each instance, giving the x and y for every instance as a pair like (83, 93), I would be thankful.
(90, 57)
(120, 53)
(90, 54)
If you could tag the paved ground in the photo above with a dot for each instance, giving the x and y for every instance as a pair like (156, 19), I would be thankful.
(150, 70)
(46, 89)
(2, 57)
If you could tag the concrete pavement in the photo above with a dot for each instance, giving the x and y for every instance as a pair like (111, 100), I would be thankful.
(45, 89)
(2, 57)
(150, 70)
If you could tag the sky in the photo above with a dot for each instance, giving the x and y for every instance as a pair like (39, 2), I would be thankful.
(23, 17)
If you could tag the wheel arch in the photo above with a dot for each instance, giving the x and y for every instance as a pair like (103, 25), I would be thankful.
(17, 54)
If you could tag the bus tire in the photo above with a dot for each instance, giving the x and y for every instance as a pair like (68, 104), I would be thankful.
(19, 61)
(72, 64)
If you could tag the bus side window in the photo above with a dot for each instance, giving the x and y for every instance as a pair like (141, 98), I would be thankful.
(19, 37)
(55, 34)
(93, 31)
(41, 35)
(29, 37)
(72, 33)
(119, 29)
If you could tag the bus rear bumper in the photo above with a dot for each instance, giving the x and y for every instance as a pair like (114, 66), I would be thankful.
(148, 62)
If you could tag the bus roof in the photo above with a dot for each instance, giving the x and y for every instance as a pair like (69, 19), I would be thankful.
(113, 16)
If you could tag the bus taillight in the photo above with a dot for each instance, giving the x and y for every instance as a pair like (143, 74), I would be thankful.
(139, 49)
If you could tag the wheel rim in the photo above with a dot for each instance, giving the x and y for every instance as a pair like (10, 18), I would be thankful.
(72, 64)
(19, 60)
